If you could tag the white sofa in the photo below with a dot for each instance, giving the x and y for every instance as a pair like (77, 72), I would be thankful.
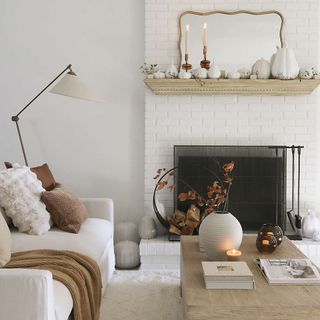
(27, 294)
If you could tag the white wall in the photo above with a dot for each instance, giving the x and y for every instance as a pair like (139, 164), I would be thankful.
(95, 149)
(234, 120)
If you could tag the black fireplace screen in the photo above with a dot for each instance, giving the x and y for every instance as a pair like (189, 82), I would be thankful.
(258, 193)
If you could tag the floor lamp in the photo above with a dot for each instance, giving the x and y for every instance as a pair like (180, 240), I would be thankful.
(70, 86)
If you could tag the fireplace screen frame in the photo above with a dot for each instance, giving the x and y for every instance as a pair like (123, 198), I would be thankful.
(271, 151)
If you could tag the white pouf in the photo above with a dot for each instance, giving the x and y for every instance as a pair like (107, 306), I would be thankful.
(147, 228)
(126, 231)
(127, 255)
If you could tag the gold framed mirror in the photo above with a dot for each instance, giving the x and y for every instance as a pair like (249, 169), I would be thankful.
(234, 39)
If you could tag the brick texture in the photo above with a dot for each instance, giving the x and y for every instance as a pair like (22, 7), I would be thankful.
(238, 120)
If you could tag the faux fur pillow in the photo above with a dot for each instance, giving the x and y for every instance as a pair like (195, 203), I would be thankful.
(20, 192)
(66, 210)
(5, 242)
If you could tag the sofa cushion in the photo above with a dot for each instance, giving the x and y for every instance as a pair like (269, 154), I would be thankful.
(65, 208)
(5, 242)
(20, 192)
(43, 174)
(91, 240)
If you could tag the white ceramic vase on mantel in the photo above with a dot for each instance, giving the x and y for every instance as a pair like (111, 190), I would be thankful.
(219, 232)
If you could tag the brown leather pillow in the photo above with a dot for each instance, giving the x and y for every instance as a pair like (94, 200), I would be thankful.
(66, 210)
(43, 174)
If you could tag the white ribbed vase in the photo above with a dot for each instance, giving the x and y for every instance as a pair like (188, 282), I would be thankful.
(219, 232)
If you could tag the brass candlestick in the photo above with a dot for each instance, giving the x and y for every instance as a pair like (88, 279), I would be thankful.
(205, 63)
(186, 66)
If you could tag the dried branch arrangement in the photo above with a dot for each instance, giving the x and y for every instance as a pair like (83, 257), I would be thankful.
(216, 199)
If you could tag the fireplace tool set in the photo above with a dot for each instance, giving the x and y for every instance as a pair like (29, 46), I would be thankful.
(294, 214)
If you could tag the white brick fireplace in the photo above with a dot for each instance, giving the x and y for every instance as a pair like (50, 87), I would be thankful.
(234, 120)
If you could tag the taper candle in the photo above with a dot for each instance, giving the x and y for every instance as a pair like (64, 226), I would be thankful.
(204, 34)
(187, 39)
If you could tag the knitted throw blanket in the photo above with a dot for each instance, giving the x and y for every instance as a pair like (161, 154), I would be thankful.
(79, 273)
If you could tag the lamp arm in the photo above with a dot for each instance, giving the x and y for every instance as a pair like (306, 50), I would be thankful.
(44, 89)
(16, 117)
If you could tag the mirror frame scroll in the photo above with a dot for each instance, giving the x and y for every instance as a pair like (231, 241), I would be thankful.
(256, 13)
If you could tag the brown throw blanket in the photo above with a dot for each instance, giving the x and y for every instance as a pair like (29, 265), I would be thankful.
(79, 273)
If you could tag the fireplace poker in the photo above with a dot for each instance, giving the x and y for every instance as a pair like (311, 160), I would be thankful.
(297, 216)
(289, 213)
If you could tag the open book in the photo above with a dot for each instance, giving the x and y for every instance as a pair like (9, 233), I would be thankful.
(289, 271)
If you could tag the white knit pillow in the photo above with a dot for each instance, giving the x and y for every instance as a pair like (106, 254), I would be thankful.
(20, 192)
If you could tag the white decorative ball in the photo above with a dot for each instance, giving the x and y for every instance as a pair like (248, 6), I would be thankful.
(200, 73)
(214, 72)
(233, 75)
(171, 72)
(159, 75)
(218, 233)
(127, 255)
(126, 231)
(244, 73)
(147, 228)
(185, 75)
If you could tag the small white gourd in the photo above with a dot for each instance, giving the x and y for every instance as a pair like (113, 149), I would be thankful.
(172, 71)
(244, 73)
(233, 75)
(200, 73)
(284, 64)
(214, 72)
(185, 75)
(159, 75)
(262, 69)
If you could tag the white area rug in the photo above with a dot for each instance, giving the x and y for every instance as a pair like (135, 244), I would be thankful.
(142, 295)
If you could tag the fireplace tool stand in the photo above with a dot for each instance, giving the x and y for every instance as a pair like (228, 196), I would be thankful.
(294, 216)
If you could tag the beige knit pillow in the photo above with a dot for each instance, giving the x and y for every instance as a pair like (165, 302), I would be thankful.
(5, 242)
(66, 210)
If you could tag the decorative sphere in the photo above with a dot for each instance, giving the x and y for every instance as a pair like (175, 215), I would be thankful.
(266, 242)
(272, 229)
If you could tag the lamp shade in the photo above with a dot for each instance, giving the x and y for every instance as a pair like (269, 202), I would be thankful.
(70, 85)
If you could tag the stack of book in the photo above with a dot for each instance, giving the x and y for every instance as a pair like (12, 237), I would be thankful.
(227, 275)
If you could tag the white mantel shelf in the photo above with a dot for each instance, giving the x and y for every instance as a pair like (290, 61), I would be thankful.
(271, 87)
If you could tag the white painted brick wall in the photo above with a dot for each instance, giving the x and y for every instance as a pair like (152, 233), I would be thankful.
(236, 120)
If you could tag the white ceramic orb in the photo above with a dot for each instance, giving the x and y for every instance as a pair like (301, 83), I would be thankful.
(220, 232)
(171, 72)
(127, 254)
(126, 231)
(147, 227)
(214, 73)
(233, 75)
(185, 75)
(200, 73)
(244, 73)
(159, 75)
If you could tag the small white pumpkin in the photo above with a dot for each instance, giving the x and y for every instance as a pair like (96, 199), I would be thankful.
(159, 75)
(284, 64)
(244, 73)
(214, 72)
(233, 75)
(262, 69)
(172, 71)
(306, 74)
(185, 75)
(200, 73)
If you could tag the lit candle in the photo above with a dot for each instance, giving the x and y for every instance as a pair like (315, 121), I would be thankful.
(187, 39)
(204, 34)
(234, 255)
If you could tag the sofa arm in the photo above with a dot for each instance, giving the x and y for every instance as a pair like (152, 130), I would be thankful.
(99, 208)
(26, 294)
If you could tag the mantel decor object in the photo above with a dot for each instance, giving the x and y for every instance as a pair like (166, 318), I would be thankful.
(70, 86)
(186, 66)
(205, 63)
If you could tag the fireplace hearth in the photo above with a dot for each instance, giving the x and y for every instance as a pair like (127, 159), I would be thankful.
(258, 193)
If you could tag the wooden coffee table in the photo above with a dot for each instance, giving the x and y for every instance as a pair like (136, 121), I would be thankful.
(265, 302)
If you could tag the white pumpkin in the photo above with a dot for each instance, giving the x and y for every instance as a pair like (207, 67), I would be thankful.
(200, 73)
(214, 72)
(171, 72)
(233, 75)
(185, 75)
(159, 75)
(244, 73)
(284, 64)
(262, 69)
